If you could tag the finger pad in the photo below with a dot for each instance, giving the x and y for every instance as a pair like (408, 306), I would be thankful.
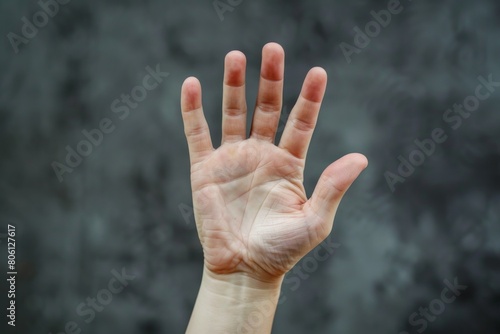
(235, 64)
(344, 171)
(315, 85)
(273, 61)
(191, 94)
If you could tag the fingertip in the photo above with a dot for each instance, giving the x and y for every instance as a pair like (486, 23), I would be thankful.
(315, 84)
(273, 47)
(191, 94)
(355, 162)
(191, 83)
(317, 76)
(235, 56)
(345, 170)
(359, 159)
(234, 68)
(318, 72)
(273, 62)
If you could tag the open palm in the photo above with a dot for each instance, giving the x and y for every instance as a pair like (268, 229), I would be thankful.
(251, 209)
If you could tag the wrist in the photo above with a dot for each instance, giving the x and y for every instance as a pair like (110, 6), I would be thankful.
(240, 283)
(234, 303)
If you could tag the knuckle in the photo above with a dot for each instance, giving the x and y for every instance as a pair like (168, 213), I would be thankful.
(233, 111)
(268, 107)
(303, 125)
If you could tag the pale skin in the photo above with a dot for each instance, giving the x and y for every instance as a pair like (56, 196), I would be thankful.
(252, 214)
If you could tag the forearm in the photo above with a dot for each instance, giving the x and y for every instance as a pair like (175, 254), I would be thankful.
(234, 303)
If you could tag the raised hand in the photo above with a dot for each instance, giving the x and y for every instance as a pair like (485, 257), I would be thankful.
(252, 213)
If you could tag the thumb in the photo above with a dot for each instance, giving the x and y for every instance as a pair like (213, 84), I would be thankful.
(332, 186)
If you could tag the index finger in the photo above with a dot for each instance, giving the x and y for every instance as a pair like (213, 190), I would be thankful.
(304, 115)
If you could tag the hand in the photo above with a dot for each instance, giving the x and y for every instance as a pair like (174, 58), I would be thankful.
(252, 214)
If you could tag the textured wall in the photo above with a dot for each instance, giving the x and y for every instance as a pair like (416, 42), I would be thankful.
(125, 207)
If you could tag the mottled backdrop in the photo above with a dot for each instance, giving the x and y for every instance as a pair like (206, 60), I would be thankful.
(106, 242)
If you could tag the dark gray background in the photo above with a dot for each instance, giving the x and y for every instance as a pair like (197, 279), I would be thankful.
(120, 207)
